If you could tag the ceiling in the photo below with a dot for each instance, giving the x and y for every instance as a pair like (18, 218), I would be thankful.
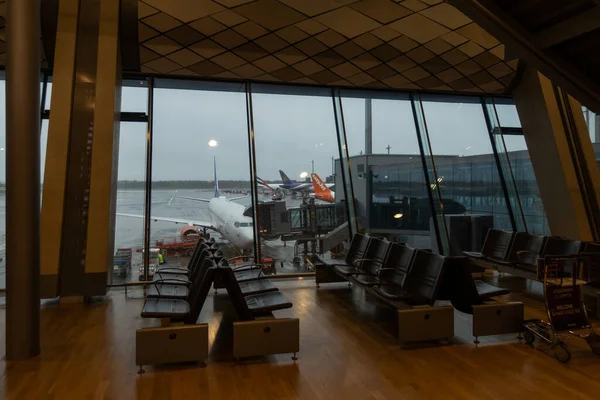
(410, 44)
(559, 38)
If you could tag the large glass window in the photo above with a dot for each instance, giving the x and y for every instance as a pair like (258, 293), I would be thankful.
(513, 144)
(467, 173)
(296, 148)
(390, 189)
(131, 178)
(199, 134)
(592, 121)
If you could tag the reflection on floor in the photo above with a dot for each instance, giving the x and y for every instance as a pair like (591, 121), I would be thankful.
(347, 351)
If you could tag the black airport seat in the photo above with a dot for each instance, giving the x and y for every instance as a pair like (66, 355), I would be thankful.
(422, 283)
(168, 272)
(171, 268)
(524, 252)
(171, 288)
(559, 246)
(369, 256)
(496, 246)
(251, 307)
(246, 275)
(257, 286)
(463, 291)
(373, 261)
(249, 263)
(267, 302)
(396, 265)
(182, 310)
(165, 308)
(357, 249)
(183, 273)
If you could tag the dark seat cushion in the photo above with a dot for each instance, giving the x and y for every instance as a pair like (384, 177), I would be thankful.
(331, 262)
(474, 254)
(247, 275)
(366, 279)
(485, 290)
(244, 266)
(167, 291)
(392, 292)
(163, 308)
(267, 302)
(395, 293)
(257, 286)
(346, 270)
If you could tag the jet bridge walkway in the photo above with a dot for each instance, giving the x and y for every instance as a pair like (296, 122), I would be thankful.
(318, 228)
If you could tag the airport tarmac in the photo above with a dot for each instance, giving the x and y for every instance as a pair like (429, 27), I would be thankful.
(129, 232)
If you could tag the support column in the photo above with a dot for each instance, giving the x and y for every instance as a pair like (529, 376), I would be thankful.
(80, 175)
(23, 180)
(368, 126)
(568, 179)
(103, 182)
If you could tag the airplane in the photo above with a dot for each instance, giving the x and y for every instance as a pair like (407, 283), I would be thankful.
(322, 191)
(287, 184)
(226, 217)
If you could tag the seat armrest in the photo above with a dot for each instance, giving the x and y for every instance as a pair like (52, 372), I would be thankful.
(332, 262)
(239, 258)
(252, 266)
(174, 269)
(172, 281)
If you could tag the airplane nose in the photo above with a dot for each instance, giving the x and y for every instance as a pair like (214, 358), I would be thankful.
(247, 240)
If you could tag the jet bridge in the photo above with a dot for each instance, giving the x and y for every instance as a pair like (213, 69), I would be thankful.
(309, 225)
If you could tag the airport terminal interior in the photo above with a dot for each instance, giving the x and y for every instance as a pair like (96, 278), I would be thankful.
(299, 199)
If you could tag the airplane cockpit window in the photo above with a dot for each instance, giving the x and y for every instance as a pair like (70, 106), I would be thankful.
(237, 224)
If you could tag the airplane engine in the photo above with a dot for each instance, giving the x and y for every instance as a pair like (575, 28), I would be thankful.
(189, 232)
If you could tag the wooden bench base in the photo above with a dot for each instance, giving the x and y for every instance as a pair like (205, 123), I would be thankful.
(498, 318)
(171, 344)
(420, 324)
(266, 336)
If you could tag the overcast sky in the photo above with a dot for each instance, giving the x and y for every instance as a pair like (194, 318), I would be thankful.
(290, 132)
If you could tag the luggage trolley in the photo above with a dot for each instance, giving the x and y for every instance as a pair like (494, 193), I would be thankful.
(563, 277)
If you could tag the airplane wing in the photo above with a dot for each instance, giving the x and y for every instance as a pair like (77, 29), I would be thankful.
(237, 198)
(202, 224)
(208, 200)
(194, 199)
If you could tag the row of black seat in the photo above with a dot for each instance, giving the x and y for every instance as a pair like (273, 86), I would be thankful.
(177, 296)
(521, 251)
(413, 280)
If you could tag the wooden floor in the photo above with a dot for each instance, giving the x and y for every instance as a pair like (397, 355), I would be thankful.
(347, 351)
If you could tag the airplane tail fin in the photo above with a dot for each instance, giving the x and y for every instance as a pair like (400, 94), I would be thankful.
(262, 182)
(285, 178)
(217, 193)
(320, 187)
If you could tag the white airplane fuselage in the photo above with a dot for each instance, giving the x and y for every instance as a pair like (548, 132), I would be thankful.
(229, 219)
